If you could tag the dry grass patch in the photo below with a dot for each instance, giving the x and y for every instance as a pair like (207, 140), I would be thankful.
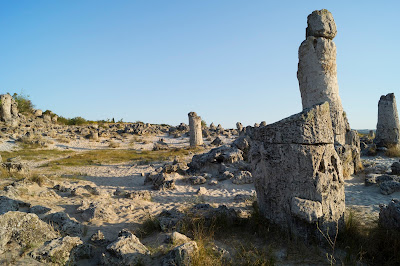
(63, 139)
(35, 155)
(368, 243)
(5, 174)
(99, 157)
(114, 144)
(393, 151)
(33, 142)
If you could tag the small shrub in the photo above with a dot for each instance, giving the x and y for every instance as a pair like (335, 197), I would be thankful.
(77, 121)
(24, 104)
(369, 243)
(63, 139)
(372, 151)
(4, 173)
(39, 179)
(393, 151)
(249, 254)
(33, 142)
(114, 144)
(149, 226)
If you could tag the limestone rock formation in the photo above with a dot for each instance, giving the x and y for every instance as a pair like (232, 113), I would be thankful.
(57, 251)
(317, 70)
(388, 127)
(239, 126)
(126, 250)
(24, 229)
(317, 76)
(321, 24)
(181, 255)
(389, 216)
(196, 137)
(298, 174)
(62, 222)
(8, 109)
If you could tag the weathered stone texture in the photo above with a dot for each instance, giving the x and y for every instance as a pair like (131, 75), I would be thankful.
(298, 174)
(388, 127)
(126, 250)
(317, 75)
(8, 109)
(318, 80)
(24, 229)
(196, 137)
(321, 24)
(389, 216)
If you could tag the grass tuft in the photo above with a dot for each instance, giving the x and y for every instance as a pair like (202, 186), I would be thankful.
(149, 226)
(368, 243)
(393, 151)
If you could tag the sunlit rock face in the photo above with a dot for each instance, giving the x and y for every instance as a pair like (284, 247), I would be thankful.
(196, 137)
(297, 173)
(388, 128)
(317, 76)
(8, 109)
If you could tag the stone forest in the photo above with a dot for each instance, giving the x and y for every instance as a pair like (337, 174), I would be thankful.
(305, 190)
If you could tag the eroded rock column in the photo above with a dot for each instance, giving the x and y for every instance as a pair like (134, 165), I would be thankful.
(317, 75)
(387, 128)
(196, 137)
(297, 173)
(317, 71)
(8, 109)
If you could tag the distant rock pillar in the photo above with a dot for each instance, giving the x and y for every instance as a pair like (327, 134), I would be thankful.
(196, 137)
(8, 110)
(317, 72)
(387, 128)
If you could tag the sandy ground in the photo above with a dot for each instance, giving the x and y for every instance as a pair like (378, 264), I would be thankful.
(130, 213)
(364, 199)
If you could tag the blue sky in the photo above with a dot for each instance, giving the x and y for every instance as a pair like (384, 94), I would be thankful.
(155, 61)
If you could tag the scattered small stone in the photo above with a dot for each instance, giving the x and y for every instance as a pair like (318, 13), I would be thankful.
(389, 216)
(57, 250)
(181, 255)
(98, 238)
(389, 187)
(395, 168)
(61, 221)
(244, 198)
(126, 250)
(213, 182)
(176, 238)
(38, 209)
(96, 210)
(226, 175)
(7, 204)
(217, 142)
(197, 180)
(201, 191)
(242, 177)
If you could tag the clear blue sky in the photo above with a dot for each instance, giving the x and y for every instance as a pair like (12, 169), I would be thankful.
(155, 61)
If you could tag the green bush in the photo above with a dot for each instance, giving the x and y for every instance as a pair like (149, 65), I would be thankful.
(24, 104)
(72, 121)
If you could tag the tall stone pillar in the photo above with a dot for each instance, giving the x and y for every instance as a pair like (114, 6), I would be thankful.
(317, 75)
(5, 100)
(196, 137)
(8, 110)
(317, 71)
(388, 127)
